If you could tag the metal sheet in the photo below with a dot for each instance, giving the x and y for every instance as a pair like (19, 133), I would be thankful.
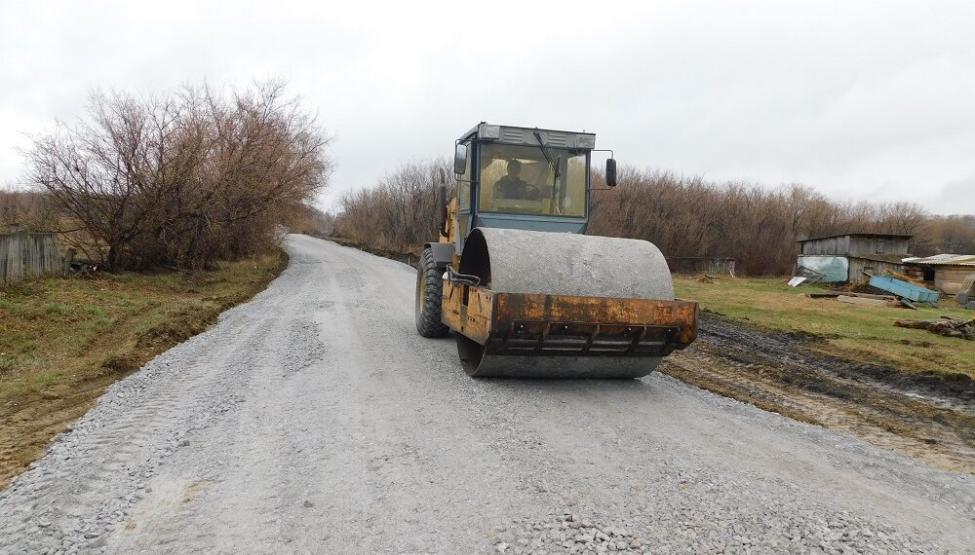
(904, 289)
(834, 269)
(945, 260)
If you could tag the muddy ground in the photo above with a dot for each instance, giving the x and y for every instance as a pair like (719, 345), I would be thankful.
(928, 415)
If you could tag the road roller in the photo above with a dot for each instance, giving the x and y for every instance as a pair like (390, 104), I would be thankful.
(524, 290)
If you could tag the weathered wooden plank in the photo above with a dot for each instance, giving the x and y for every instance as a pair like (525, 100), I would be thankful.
(24, 255)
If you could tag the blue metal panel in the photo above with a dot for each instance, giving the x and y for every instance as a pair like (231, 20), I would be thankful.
(904, 289)
(834, 269)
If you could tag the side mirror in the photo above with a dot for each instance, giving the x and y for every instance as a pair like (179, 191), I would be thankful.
(460, 158)
(610, 172)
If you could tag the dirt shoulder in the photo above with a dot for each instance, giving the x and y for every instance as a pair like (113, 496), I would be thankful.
(63, 341)
(404, 257)
(929, 415)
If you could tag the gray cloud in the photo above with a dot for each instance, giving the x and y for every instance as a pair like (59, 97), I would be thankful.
(861, 100)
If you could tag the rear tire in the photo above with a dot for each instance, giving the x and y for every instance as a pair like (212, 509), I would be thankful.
(429, 295)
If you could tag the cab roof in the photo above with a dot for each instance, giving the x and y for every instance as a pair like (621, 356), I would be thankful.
(515, 135)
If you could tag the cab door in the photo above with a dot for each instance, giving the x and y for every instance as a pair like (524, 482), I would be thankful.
(465, 192)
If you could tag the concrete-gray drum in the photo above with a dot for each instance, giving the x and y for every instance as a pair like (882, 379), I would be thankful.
(518, 261)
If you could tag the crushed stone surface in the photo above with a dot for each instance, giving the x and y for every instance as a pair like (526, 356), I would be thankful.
(315, 419)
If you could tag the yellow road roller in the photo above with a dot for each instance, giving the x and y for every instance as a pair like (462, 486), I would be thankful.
(525, 291)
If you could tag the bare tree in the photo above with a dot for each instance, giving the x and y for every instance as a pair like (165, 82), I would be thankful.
(184, 179)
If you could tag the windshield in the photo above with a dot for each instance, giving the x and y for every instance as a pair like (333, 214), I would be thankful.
(522, 180)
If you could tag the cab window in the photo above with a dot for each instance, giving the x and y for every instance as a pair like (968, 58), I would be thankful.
(464, 184)
(527, 180)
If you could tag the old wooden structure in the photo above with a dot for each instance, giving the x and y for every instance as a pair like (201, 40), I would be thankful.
(852, 257)
(702, 265)
(24, 254)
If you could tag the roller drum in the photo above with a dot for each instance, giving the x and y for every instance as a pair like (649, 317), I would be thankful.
(517, 261)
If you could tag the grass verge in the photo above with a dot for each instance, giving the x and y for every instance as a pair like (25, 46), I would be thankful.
(861, 333)
(63, 341)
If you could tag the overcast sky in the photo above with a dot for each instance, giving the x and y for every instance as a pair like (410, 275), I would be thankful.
(861, 100)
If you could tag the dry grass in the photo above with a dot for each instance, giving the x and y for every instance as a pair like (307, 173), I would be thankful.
(860, 333)
(63, 341)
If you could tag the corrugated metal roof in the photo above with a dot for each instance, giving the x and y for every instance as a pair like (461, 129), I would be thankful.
(944, 260)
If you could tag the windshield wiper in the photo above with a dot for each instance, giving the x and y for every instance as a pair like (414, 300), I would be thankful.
(555, 166)
(541, 146)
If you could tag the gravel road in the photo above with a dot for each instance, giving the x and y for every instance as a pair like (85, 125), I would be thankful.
(314, 419)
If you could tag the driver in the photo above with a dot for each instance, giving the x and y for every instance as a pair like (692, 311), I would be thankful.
(513, 187)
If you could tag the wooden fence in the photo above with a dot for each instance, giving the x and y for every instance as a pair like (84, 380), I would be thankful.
(702, 265)
(24, 255)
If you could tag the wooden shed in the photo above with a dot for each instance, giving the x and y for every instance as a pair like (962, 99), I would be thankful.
(852, 244)
(851, 257)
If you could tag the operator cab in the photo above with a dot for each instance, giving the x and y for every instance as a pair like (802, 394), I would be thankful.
(524, 178)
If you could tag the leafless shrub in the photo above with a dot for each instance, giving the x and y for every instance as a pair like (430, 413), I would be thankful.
(311, 221)
(399, 214)
(27, 210)
(184, 179)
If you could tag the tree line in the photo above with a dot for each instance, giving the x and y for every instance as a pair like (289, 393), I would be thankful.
(175, 180)
(399, 213)
(684, 216)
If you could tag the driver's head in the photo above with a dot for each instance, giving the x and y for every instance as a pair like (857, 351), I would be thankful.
(514, 168)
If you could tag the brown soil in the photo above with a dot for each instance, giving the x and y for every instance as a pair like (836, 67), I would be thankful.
(928, 415)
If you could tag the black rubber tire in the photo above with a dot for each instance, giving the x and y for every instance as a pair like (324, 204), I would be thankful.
(429, 294)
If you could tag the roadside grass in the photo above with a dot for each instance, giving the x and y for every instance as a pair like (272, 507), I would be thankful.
(860, 333)
(63, 341)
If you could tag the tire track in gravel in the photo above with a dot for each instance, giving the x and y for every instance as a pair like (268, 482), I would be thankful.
(138, 424)
(313, 419)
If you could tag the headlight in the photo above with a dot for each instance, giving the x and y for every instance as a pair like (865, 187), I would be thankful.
(585, 141)
(490, 132)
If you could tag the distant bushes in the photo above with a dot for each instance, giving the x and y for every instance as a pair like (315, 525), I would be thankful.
(184, 179)
(684, 216)
(688, 217)
(25, 209)
(398, 214)
(946, 234)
